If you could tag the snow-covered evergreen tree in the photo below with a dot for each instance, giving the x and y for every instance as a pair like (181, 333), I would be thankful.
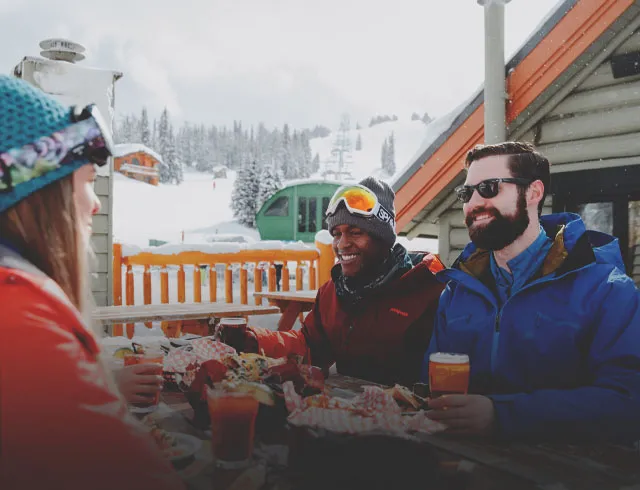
(143, 131)
(315, 163)
(391, 155)
(246, 188)
(285, 155)
(384, 156)
(359, 142)
(270, 183)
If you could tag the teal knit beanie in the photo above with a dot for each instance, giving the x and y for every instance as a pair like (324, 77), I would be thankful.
(27, 114)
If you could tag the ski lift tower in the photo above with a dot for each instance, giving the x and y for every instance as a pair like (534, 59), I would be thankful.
(58, 73)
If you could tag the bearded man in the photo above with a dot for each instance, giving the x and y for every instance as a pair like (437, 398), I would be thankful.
(543, 309)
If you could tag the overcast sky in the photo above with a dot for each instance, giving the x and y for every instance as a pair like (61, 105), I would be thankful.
(298, 61)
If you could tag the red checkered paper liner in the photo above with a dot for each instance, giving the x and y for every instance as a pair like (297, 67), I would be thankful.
(197, 352)
(373, 410)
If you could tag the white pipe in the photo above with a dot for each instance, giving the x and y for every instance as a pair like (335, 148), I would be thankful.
(495, 124)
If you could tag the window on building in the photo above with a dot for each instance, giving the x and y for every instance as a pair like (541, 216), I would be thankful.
(135, 161)
(279, 207)
(325, 205)
(313, 212)
(302, 214)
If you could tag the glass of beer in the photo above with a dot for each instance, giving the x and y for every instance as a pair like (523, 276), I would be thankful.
(232, 331)
(233, 422)
(155, 357)
(448, 374)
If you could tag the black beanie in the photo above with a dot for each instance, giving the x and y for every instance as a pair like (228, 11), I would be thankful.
(383, 230)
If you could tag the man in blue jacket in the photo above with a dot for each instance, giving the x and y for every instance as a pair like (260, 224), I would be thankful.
(543, 309)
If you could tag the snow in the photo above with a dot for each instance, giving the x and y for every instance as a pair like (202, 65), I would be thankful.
(215, 248)
(324, 237)
(366, 162)
(124, 149)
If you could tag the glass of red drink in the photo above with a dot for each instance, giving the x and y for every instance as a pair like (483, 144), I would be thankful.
(233, 422)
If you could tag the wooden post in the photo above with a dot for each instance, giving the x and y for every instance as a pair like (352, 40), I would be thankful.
(213, 283)
(146, 289)
(116, 329)
(299, 274)
(312, 274)
(257, 280)
(129, 291)
(181, 280)
(228, 284)
(197, 284)
(271, 276)
(326, 262)
(285, 276)
(164, 285)
(244, 299)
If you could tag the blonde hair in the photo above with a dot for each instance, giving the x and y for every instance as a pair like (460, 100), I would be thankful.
(43, 226)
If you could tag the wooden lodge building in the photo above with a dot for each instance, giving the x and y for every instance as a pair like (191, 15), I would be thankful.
(574, 91)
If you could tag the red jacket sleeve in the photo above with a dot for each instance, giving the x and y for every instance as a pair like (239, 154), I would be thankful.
(62, 425)
(280, 344)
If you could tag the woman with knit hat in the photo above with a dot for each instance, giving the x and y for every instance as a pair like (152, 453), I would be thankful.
(375, 316)
(62, 422)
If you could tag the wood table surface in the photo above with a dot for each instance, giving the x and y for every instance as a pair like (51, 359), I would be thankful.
(290, 303)
(477, 464)
(177, 311)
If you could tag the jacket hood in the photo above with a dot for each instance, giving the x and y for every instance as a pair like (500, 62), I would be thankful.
(604, 248)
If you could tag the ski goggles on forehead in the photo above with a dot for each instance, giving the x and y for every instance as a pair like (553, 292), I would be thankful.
(487, 188)
(86, 138)
(359, 200)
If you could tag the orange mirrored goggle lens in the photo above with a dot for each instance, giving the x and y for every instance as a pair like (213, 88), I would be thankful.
(356, 198)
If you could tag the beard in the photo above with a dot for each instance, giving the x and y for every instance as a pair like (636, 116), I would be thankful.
(503, 230)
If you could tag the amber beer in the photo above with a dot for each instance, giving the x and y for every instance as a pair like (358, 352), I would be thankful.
(448, 374)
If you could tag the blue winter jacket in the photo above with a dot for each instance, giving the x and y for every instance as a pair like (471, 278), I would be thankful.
(561, 358)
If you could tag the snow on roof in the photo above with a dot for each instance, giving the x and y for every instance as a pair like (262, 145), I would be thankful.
(220, 167)
(214, 248)
(124, 149)
(291, 183)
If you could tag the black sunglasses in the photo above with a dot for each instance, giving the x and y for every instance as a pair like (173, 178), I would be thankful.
(487, 188)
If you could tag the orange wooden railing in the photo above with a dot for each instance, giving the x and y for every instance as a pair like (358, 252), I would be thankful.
(319, 262)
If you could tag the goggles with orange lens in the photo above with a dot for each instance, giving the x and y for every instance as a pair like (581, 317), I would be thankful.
(361, 201)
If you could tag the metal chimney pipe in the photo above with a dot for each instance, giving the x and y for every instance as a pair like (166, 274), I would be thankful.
(495, 124)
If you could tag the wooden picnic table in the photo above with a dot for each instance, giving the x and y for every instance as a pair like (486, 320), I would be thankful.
(476, 464)
(177, 311)
(290, 303)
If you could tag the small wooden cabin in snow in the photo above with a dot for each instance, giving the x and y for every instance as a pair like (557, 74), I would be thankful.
(138, 162)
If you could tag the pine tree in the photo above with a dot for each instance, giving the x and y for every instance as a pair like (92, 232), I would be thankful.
(359, 143)
(426, 118)
(415, 116)
(245, 193)
(384, 157)
(270, 183)
(315, 163)
(171, 159)
(391, 155)
(285, 157)
(145, 135)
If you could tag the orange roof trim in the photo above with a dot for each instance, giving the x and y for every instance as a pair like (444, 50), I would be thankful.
(567, 40)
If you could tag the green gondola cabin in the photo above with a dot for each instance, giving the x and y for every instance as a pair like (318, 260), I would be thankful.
(296, 212)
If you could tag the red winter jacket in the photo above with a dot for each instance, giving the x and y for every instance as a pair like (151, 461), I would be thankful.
(384, 343)
(61, 425)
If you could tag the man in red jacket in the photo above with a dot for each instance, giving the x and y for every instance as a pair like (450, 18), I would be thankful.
(375, 316)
